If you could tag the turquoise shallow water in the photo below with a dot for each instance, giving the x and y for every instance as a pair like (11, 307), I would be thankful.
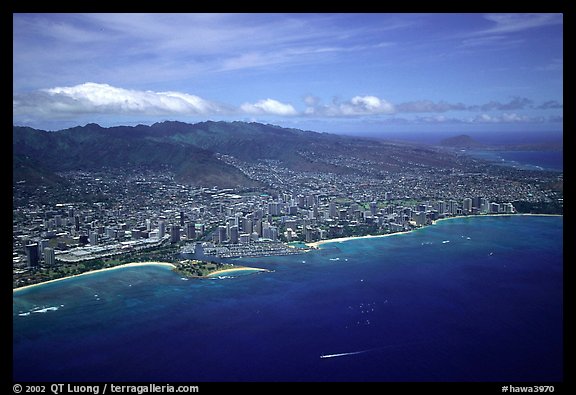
(470, 299)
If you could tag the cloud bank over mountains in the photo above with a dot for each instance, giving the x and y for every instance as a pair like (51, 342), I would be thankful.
(93, 98)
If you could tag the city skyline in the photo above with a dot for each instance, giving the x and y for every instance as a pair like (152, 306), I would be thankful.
(341, 73)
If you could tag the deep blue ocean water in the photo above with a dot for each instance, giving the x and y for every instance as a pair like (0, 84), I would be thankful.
(531, 160)
(469, 299)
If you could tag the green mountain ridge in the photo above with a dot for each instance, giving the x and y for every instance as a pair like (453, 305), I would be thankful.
(93, 147)
(191, 151)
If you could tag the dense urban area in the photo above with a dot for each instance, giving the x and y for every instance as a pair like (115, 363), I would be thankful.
(112, 216)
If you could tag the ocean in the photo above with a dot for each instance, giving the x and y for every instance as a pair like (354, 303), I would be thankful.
(467, 299)
(525, 160)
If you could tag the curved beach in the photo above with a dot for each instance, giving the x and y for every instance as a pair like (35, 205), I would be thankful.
(239, 269)
(133, 264)
(317, 244)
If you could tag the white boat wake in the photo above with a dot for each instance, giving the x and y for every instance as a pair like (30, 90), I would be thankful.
(344, 354)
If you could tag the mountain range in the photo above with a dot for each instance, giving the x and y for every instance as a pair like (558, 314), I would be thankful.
(193, 151)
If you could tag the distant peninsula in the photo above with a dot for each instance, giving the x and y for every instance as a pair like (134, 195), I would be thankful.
(461, 141)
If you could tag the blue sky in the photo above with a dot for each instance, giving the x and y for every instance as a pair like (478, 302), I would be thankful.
(341, 73)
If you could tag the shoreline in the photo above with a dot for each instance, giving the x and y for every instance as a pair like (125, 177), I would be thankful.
(317, 244)
(132, 264)
(312, 245)
(243, 268)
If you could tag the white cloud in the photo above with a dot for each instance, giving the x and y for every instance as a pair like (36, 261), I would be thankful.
(268, 106)
(357, 106)
(93, 98)
(506, 118)
(509, 23)
(430, 106)
(371, 104)
(92, 101)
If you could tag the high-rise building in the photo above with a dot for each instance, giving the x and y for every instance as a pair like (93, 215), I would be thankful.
(290, 223)
(247, 225)
(222, 234)
(41, 245)
(136, 234)
(32, 255)
(94, 237)
(234, 234)
(420, 218)
(270, 232)
(476, 202)
(181, 218)
(333, 210)
(274, 233)
(441, 206)
(258, 214)
(484, 205)
(245, 238)
(230, 222)
(174, 234)
(258, 227)
(373, 208)
(452, 206)
(311, 214)
(238, 219)
(191, 230)
(111, 232)
(83, 239)
(310, 234)
(289, 234)
(467, 205)
(161, 229)
(301, 201)
(494, 208)
(274, 208)
(49, 256)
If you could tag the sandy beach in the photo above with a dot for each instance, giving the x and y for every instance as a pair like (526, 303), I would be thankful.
(317, 244)
(134, 264)
(219, 272)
